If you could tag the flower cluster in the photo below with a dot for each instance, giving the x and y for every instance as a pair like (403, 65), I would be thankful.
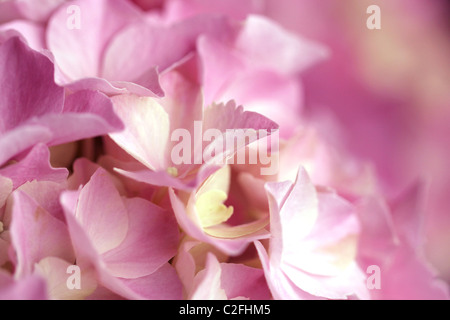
(167, 150)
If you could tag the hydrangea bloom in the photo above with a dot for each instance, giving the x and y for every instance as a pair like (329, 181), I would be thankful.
(208, 149)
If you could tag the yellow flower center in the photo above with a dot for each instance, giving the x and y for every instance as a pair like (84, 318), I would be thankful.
(210, 208)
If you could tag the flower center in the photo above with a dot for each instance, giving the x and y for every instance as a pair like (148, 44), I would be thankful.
(211, 210)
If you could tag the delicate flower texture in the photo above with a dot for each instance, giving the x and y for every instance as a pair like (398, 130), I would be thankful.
(204, 216)
(127, 241)
(258, 70)
(224, 149)
(313, 246)
(34, 108)
(158, 138)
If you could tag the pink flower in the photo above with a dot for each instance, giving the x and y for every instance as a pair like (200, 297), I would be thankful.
(128, 242)
(222, 149)
(150, 125)
(313, 246)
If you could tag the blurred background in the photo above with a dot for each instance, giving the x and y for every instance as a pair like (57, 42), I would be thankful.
(389, 91)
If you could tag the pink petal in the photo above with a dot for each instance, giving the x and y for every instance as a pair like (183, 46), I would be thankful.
(207, 283)
(37, 11)
(29, 89)
(21, 139)
(293, 213)
(142, 43)
(280, 286)
(86, 114)
(146, 130)
(102, 213)
(85, 251)
(408, 214)
(35, 166)
(163, 284)
(152, 240)
(220, 66)
(268, 92)
(185, 264)
(46, 194)
(79, 53)
(239, 280)
(332, 243)
(226, 119)
(32, 287)
(32, 32)
(54, 270)
(268, 45)
(35, 234)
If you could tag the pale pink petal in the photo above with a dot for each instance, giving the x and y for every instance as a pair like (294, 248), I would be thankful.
(146, 129)
(46, 194)
(21, 139)
(114, 87)
(85, 250)
(152, 240)
(239, 280)
(267, 45)
(102, 213)
(84, 169)
(230, 116)
(142, 43)
(331, 245)
(79, 52)
(408, 214)
(35, 234)
(280, 286)
(230, 120)
(38, 11)
(268, 92)
(293, 213)
(55, 272)
(220, 67)
(163, 284)
(208, 283)
(185, 264)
